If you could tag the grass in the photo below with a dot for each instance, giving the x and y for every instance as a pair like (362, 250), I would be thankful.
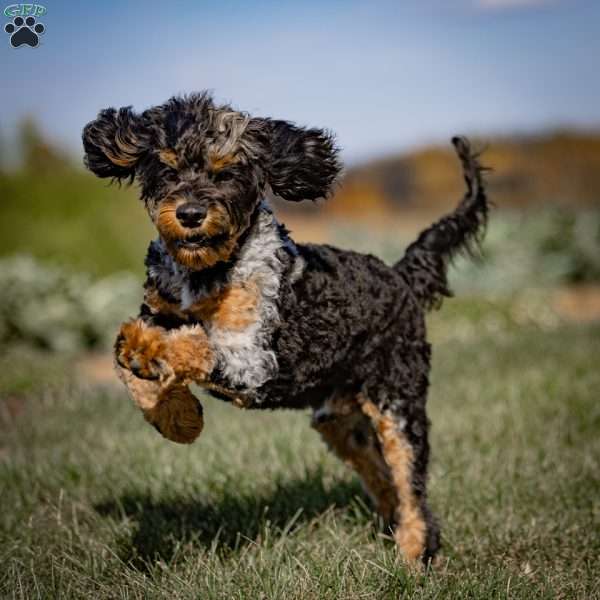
(95, 504)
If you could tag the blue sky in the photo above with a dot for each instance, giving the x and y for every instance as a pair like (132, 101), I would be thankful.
(384, 75)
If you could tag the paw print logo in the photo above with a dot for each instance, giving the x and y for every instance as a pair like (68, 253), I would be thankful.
(24, 31)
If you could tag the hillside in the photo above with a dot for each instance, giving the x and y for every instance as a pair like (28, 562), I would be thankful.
(561, 168)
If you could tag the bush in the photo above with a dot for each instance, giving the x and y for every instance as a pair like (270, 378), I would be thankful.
(534, 249)
(520, 250)
(54, 308)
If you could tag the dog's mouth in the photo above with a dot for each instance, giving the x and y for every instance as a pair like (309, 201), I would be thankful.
(200, 240)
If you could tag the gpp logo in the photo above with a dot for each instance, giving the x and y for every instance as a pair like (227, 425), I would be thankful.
(24, 29)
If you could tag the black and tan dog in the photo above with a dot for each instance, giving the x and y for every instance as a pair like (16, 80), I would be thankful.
(233, 304)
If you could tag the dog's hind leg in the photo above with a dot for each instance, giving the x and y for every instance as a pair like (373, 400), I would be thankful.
(349, 433)
(373, 444)
(415, 529)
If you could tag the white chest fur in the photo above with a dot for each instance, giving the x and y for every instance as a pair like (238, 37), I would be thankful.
(245, 359)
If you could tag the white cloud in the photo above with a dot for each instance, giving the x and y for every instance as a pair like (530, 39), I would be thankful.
(508, 4)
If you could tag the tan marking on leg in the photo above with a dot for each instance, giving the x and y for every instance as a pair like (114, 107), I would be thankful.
(411, 528)
(139, 347)
(340, 434)
(143, 392)
(174, 359)
(178, 414)
(183, 355)
(173, 410)
(188, 353)
(237, 399)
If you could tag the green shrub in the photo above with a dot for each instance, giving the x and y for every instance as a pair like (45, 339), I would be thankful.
(534, 249)
(520, 250)
(54, 308)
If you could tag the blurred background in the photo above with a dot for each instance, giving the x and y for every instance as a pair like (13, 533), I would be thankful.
(393, 80)
(95, 504)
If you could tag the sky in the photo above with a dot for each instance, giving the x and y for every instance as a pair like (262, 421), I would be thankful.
(384, 75)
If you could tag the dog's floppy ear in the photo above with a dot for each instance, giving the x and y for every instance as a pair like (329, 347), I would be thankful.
(303, 164)
(113, 143)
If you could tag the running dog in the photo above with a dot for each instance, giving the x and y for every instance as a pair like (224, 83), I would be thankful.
(233, 304)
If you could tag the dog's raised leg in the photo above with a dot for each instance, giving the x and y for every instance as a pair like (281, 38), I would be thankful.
(173, 410)
(176, 355)
(156, 366)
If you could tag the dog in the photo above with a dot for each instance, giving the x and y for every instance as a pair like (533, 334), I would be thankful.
(233, 304)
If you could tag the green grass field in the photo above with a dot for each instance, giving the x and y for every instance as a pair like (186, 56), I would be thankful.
(95, 504)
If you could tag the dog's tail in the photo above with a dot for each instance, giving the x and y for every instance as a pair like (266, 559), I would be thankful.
(425, 262)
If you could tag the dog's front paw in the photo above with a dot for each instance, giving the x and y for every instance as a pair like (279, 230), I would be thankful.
(140, 348)
(178, 414)
(173, 410)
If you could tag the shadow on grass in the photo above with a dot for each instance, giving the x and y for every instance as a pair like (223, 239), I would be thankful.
(235, 520)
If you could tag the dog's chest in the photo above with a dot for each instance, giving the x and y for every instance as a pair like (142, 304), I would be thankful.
(234, 308)
(239, 329)
(239, 311)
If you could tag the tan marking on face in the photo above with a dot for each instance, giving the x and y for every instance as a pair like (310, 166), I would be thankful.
(216, 223)
(166, 220)
(198, 259)
(235, 307)
(169, 157)
(398, 455)
(217, 162)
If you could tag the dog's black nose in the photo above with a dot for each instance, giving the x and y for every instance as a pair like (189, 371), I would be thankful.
(190, 214)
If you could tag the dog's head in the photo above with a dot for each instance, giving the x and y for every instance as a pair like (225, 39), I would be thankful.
(202, 168)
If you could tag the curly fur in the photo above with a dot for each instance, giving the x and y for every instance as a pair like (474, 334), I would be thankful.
(232, 303)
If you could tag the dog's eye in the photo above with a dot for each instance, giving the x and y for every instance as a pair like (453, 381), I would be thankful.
(224, 176)
(168, 168)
